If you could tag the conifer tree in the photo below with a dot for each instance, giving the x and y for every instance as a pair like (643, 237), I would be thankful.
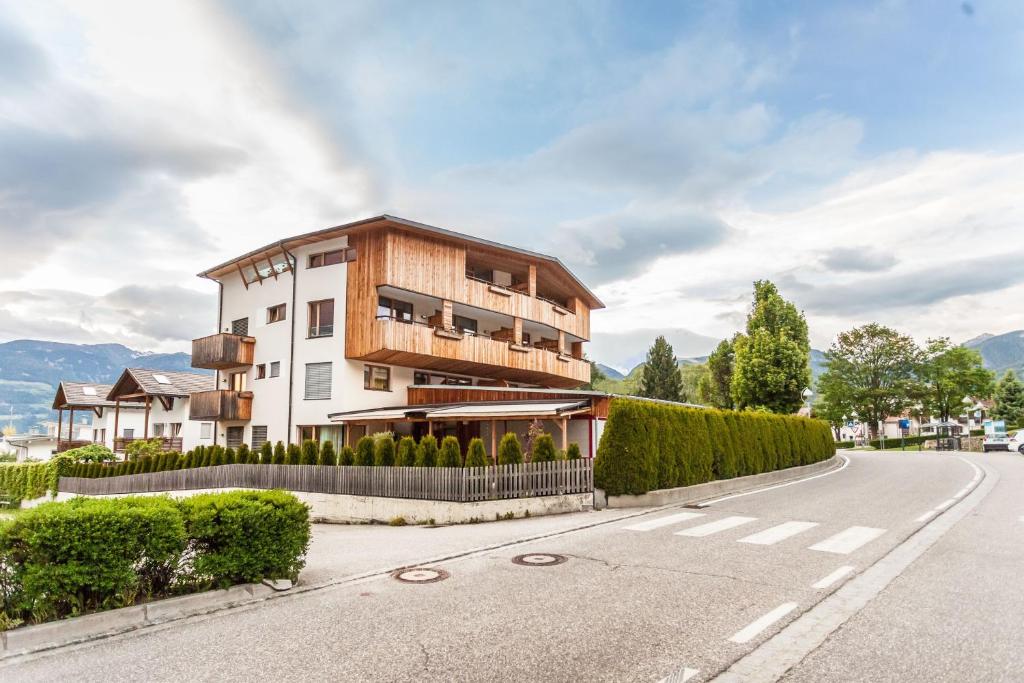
(544, 449)
(310, 452)
(266, 453)
(426, 453)
(364, 452)
(384, 452)
(280, 456)
(450, 454)
(294, 454)
(573, 453)
(510, 452)
(406, 452)
(476, 456)
(327, 456)
(347, 457)
(661, 378)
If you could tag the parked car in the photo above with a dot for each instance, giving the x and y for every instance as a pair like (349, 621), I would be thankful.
(998, 441)
(1016, 442)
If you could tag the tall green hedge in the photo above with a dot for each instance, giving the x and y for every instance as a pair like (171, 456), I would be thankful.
(647, 445)
(24, 481)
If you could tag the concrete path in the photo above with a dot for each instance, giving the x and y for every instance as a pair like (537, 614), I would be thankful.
(681, 593)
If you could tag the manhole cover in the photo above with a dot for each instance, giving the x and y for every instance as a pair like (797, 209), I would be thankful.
(539, 559)
(420, 575)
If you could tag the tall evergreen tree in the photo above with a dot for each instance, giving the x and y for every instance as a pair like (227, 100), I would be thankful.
(772, 360)
(661, 377)
(1009, 399)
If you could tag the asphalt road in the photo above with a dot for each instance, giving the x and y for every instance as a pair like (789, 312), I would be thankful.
(681, 591)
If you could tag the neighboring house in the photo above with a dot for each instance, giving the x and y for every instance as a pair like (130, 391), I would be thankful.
(387, 324)
(33, 446)
(161, 399)
(90, 416)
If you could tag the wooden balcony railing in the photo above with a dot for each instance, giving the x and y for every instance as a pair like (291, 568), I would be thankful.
(168, 443)
(68, 444)
(220, 404)
(222, 351)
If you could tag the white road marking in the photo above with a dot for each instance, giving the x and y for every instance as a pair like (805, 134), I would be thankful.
(962, 492)
(750, 632)
(926, 516)
(778, 533)
(845, 542)
(943, 506)
(716, 526)
(680, 676)
(846, 461)
(833, 577)
(1022, 518)
(663, 521)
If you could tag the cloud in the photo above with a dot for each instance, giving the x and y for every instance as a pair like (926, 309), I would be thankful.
(863, 259)
(625, 350)
(21, 62)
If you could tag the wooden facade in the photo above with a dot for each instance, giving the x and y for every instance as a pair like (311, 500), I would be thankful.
(223, 351)
(220, 404)
(441, 394)
(435, 267)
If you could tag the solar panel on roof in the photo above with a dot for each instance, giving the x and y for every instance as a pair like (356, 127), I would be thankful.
(89, 391)
(161, 379)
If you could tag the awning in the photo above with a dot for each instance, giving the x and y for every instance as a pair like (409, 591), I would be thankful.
(467, 411)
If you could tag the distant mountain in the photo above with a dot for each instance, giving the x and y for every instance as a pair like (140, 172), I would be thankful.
(1001, 352)
(30, 371)
(609, 372)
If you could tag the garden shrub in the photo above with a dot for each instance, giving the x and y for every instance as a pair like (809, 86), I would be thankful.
(93, 452)
(476, 455)
(310, 452)
(279, 454)
(426, 452)
(27, 480)
(139, 447)
(228, 458)
(705, 444)
(327, 455)
(244, 455)
(510, 452)
(294, 454)
(450, 454)
(573, 452)
(406, 456)
(266, 453)
(347, 457)
(364, 452)
(544, 449)
(384, 453)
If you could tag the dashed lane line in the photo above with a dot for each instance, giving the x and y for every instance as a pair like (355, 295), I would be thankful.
(751, 631)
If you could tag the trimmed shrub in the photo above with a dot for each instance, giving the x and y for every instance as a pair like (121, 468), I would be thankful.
(347, 457)
(310, 452)
(573, 452)
(544, 449)
(426, 452)
(139, 447)
(93, 452)
(450, 454)
(279, 454)
(704, 444)
(294, 454)
(476, 455)
(384, 453)
(327, 456)
(244, 456)
(509, 450)
(406, 456)
(266, 453)
(228, 458)
(364, 452)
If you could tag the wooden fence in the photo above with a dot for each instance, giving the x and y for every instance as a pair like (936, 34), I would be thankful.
(460, 485)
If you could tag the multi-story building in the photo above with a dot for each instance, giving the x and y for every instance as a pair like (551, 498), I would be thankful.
(352, 330)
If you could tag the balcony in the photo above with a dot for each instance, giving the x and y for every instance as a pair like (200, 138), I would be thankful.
(167, 443)
(222, 351)
(220, 404)
(425, 347)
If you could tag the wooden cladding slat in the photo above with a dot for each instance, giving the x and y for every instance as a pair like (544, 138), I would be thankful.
(457, 484)
(223, 350)
(220, 404)
(418, 396)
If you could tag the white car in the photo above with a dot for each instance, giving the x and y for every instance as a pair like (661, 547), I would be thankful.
(1016, 442)
(997, 441)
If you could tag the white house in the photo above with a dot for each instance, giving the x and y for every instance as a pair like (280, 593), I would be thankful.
(146, 404)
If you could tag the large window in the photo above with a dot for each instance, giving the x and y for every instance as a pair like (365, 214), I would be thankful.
(259, 436)
(276, 314)
(240, 326)
(238, 381)
(393, 308)
(330, 258)
(275, 368)
(421, 377)
(376, 378)
(234, 436)
(158, 429)
(321, 318)
(318, 381)
(205, 430)
(464, 325)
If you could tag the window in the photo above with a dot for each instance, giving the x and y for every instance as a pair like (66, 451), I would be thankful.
(205, 430)
(318, 381)
(330, 258)
(240, 326)
(259, 436)
(376, 378)
(275, 368)
(234, 437)
(464, 324)
(275, 314)
(237, 381)
(161, 379)
(308, 433)
(321, 318)
(129, 433)
(393, 308)
(158, 429)
(261, 371)
(174, 429)
(421, 377)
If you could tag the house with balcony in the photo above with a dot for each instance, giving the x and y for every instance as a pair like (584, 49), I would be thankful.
(379, 324)
(148, 404)
(85, 415)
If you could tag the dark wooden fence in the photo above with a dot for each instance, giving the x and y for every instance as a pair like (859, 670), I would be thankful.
(461, 485)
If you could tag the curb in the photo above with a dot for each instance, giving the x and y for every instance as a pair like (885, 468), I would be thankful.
(34, 639)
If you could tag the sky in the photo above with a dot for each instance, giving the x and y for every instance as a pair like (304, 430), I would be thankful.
(866, 156)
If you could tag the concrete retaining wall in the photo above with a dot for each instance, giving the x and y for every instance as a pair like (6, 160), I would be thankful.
(339, 508)
(713, 489)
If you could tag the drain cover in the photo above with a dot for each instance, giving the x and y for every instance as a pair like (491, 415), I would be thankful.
(539, 559)
(420, 575)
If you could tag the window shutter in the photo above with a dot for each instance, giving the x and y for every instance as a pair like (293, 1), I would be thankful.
(318, 380)
(240, 326)
(259, 436)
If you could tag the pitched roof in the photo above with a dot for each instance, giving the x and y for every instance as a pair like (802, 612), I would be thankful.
(161, 383)
(81, 395)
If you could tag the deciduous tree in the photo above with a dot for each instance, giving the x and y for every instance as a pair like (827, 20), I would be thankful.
(948, 373)
(716, 385)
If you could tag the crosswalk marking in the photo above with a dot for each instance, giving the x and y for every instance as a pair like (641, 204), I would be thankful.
(750, 632)
(778, 533)
(663, 521)
(716, 526)
(845, 542)
(833, 577)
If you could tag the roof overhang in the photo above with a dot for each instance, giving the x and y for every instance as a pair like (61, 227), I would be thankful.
(509, 410)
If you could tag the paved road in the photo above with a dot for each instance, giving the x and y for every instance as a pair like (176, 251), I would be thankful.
(676, 591)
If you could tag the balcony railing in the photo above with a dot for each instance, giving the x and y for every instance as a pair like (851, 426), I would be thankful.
(220, 404)
(68, 444)
(167, 443)
(222, 351)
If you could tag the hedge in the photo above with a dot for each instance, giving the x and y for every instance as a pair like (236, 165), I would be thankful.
(647, 445)
(89, 554)
(24, 481)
